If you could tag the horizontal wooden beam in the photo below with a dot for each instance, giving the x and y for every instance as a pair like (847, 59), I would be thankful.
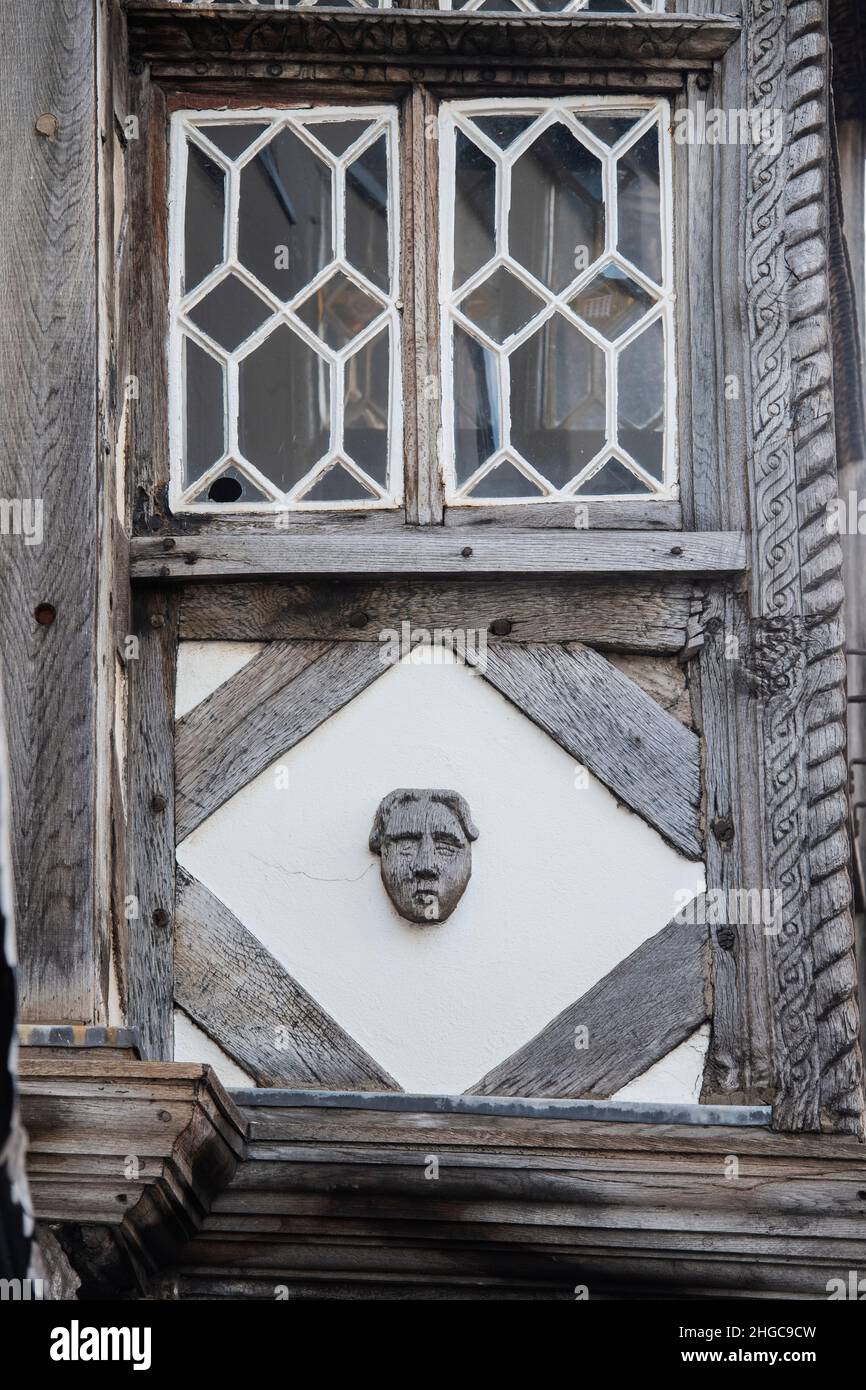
(172, 33)
(602, 514)
(647, 1005)
(439, 550)
(630, 615)
(234, 989)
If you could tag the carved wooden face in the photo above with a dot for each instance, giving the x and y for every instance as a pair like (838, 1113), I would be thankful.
(424, 839)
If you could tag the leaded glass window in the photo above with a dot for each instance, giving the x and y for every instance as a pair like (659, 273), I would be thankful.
(557, 295)
(285, 313)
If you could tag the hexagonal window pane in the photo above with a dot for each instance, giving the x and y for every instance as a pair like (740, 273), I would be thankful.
(204, 432)
(637, 183)
(477, 408)
(474, 209)
(558, 390)
(367, 213)
(612, 302)
(284, 217)
(501, 305)
(556, 223)
(365, 412)
(613, 479)
(640, 399)
(229, 313)
(338, 310)
(204, 216)
(285, 414)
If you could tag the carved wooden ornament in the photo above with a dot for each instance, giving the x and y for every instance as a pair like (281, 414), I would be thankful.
(424, 840)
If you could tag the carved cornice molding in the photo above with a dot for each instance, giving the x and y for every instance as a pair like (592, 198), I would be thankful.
(163, 33)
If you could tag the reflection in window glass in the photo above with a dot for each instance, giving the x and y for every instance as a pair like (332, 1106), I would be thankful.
(285, 333)
(557, 306)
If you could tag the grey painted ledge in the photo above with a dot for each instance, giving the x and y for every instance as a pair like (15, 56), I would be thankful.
(612, 1111)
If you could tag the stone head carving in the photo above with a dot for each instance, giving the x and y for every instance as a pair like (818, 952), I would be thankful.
(424, 840)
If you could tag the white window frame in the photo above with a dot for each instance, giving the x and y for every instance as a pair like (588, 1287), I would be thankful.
(556, 109)
(191, 127)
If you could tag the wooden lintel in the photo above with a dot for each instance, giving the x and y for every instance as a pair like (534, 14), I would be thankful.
(439, 550)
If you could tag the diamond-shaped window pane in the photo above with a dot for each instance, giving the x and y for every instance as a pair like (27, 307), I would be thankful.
(558, 390)
(501, 305)
(284, 420)
(338, 311)
(229, 313)
(612, 302)
(556, 222)
(284, 217)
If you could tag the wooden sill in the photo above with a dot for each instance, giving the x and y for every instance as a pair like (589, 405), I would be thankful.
(438, 550)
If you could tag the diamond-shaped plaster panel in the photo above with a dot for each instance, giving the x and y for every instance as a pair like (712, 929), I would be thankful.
(556, 899)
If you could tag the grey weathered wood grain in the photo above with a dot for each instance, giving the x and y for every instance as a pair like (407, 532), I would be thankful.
(647, 758)
(440, 550)
(636, 615)
(150, 855)
(647, 1005)
(248, 1003)
(612, 513)
(234, 739)
(49, 452)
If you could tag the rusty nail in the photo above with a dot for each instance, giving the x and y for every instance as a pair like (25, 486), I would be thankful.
(676, 550)
(501, 627)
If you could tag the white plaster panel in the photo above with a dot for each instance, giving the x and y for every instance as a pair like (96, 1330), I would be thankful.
(203, 666)
(565, 882)
(675, 1078)
(192, 1044)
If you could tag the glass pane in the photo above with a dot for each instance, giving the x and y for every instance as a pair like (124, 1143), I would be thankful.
(501, 305)
(505, 481)
(637, 181)
(205, 213)
(367, 213)
(474, 209)
(503, 129)
(640, 398)
(476, 404)
(338, 311)
(558, 400)
(204, 437)
(337, 136)
(612, 302)
(284, 222)
(365, 428)
(613, 479)
(609, 128)
(284, 420)
(229, 313)
(233, 139)
(336, 484)
(556, 223)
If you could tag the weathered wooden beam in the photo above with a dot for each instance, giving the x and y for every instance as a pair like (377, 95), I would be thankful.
(146, 943)
(647, 758)
(258, 715)
(624, 615)
(51, 471)
(174, 33)
(647, 1005)
(439, 550)
(234, 989)
(603, 514)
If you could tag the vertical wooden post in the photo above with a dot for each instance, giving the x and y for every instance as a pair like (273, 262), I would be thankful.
(50, 460)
